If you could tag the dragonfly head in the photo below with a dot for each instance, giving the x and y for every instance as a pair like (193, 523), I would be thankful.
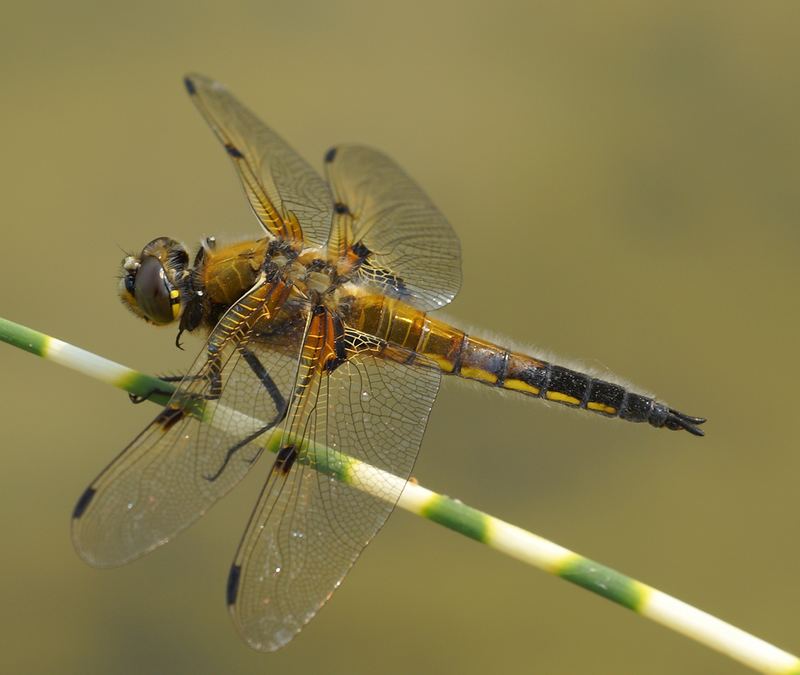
(150, 283)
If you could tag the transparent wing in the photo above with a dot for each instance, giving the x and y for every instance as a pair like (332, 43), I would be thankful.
(281, 186)
(308, 528)
(414, 252)
(179, 466)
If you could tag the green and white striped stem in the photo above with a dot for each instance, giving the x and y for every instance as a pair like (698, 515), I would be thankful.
(453, 514)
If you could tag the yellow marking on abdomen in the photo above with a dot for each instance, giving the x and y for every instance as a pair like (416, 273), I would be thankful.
(601, 407)
(561, 398)
(440, 342)
(519, 385)
(442, 361)
(478, 374)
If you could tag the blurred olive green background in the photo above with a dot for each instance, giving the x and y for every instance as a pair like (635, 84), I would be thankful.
(625, 181)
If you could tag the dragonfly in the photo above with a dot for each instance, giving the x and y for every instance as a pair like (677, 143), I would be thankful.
(319, 335)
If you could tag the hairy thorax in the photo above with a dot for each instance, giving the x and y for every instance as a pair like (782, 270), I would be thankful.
(226, 273)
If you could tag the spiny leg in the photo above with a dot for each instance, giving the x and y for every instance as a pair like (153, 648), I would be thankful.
(277, 399)
(212, 376)
(269, 384)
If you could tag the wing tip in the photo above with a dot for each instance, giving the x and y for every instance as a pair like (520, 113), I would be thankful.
(269, 638)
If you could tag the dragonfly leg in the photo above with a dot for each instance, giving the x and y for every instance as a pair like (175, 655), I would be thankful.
(139, 398)
(280, 406)
(269, 384)
(238, 446)
(136, 399)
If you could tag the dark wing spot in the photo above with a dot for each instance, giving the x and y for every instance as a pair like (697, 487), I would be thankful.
(233, 151)
(340, 208)
(380, 276)
(285, 459)
(169, 417)
(233, 584)
(83, 502)
(330, 155)
(187, 82)
(361, 250)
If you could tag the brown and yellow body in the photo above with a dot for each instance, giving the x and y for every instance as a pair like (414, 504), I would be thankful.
(457, 353)
(320, 347)
(225, 274)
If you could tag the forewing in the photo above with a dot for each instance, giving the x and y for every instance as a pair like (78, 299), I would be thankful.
(411, 243)
(281, 186)
(308, 528)
(179, 466)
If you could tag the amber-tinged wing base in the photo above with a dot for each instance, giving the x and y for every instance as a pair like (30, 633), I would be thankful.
(179, 466)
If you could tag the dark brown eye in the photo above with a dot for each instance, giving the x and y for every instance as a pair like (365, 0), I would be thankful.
(152, 291)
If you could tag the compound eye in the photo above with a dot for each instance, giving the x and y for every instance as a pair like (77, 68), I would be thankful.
(153, 292)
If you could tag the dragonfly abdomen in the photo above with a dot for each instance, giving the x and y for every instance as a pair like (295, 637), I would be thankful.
(457, 353)
(486, 362)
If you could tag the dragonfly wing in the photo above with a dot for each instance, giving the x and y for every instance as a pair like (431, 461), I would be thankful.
(412, 246)
(281, 186)
(178, 467)
(309, 527)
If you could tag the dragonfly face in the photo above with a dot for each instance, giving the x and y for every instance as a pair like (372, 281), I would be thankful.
(149, 285)
(320, 348)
